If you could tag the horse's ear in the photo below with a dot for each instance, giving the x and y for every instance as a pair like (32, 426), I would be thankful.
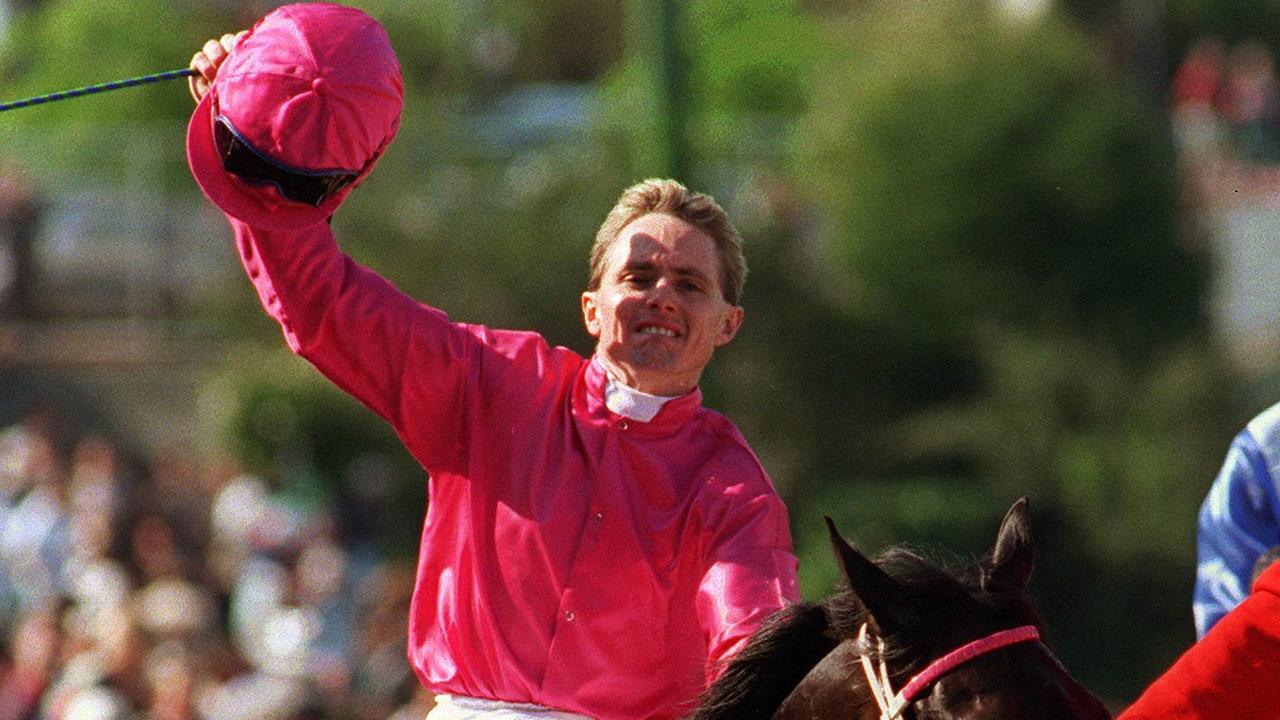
(1013, 555)
(874, 589)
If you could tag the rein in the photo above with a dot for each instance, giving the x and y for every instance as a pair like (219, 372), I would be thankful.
(892, 705)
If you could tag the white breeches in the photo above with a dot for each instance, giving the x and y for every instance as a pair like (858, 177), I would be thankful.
(457, 707)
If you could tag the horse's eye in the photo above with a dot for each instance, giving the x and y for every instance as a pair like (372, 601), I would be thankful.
(959, 699)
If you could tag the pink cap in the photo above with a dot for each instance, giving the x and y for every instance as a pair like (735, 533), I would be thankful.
(314, 86)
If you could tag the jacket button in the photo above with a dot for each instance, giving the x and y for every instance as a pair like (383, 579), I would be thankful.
(623, 425)
(568, 616)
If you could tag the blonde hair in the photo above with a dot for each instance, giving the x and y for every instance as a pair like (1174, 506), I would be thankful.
(671, 198)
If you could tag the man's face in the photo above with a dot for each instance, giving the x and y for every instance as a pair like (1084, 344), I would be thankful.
(659, 312)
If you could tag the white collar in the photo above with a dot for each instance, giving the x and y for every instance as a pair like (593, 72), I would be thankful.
(629, 402)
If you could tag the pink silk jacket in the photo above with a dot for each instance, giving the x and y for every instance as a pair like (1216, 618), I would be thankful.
(571, 557)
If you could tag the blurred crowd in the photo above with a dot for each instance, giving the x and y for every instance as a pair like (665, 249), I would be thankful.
(170, 589)
(1227, 102)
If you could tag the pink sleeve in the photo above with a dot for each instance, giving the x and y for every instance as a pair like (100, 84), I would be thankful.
(402, 359)
(750, 570)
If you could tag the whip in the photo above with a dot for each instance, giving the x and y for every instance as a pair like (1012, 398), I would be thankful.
(101, 87)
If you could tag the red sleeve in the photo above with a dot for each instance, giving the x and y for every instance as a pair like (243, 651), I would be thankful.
(402, 359)
(1233, 672)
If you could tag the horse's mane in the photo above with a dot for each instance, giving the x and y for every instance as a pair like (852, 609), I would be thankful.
(780, 653)
(794, 640)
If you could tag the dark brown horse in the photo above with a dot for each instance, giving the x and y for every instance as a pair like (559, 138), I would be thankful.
(908, 641)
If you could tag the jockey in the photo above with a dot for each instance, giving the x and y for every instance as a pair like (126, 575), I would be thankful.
(597, 543)
(1239, 520)
(1232, 672)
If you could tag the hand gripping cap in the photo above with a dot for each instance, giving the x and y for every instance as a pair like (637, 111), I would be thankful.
(314, 86)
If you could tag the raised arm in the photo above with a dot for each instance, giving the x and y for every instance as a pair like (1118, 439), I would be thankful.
(290, 115)
(402, 359)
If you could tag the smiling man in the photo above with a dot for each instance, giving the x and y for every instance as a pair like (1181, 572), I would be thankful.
(597, 543)
(663, 293)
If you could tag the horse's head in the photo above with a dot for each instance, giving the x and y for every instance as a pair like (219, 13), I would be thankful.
(948, 647)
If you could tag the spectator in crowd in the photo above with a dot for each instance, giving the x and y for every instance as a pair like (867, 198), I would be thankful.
(1224, 112)
(1197, 124)
(33, 652)
(128, 619)
(1250, 103)
(1198, 79)
(35, 537)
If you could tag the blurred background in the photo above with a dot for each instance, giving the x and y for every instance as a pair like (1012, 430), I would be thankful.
(997, 248)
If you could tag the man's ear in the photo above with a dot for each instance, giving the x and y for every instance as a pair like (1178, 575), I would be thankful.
(591, 313)
(729, 326)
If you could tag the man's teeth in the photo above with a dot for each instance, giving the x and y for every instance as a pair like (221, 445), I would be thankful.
(657, 331)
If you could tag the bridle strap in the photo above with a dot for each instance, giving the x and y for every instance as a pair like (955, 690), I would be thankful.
(965, 653)
(879, 686)
(891, 705)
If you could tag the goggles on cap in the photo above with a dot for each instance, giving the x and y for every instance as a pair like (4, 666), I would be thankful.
(242, 159)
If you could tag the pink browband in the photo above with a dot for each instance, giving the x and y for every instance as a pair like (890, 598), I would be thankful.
(892, 705)
(964, 654)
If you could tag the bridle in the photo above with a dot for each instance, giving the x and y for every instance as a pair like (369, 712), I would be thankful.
(891, 704)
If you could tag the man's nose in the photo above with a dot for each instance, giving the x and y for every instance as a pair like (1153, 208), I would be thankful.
(663, 295)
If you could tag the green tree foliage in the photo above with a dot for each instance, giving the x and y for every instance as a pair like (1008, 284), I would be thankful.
(984, 172)
(749, 64)
(1121, 451)
(1001, 231)
(62, 44)
(738, 71)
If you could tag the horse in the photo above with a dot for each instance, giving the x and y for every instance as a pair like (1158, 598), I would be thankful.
(961, 646)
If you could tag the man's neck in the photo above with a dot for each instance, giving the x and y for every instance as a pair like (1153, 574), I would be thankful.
(659, 384)
(629, 402)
